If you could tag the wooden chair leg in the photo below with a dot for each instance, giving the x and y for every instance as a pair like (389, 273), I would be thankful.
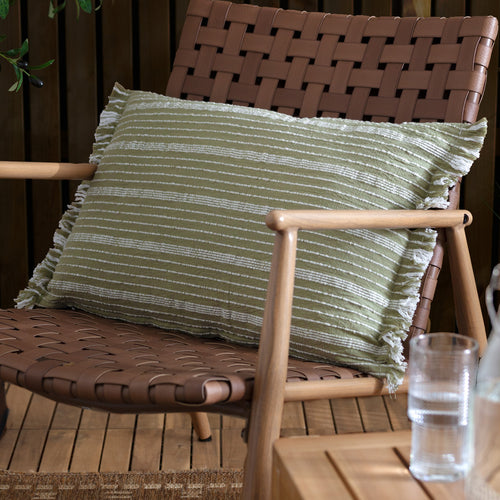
(467, 307)
(201, 426)
(4, 411)
(270, 378)
(258, 464)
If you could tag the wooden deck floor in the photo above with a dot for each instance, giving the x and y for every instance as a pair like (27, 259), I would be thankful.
(48, 437)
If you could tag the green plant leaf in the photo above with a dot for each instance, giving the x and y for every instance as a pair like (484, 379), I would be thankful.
(85, 5)
(13, 53)
(54, 8)
(52, 11)
(24, 48)
(17, 53)
(18, 84)
(43, 65)
(4, 8)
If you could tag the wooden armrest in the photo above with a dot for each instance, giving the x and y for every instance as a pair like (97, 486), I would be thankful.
(467, 307)
(46, 170)
(281, 220)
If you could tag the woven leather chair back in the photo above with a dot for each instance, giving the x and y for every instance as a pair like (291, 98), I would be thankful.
(317, 64)
(357, 67)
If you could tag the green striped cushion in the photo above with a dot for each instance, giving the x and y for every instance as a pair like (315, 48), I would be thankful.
(171, 230)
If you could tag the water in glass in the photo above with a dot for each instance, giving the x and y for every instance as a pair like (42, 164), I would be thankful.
(441, 444)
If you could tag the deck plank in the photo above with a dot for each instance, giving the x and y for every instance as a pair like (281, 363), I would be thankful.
(293, 422)
(206, 454)
(234, 449)
(177, 442)
(396, 409)
(121, 421)
(40, 413)
(66, 417)
(87, 450)
(28, 452)
(8, 444)
(319, 418)
(45, 436)
(374, 414)
(89, 441)
(57, 452)
(18, 400)
(346, 415)
(117, 450)
(118, 442)
(147, 446)
(92, 419)
(60, 439)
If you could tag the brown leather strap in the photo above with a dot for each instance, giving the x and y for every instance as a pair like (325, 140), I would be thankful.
(313, 64)
(71, 355)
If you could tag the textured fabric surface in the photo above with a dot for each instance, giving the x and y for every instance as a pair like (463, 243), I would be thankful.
(171, 230)
(206, 484)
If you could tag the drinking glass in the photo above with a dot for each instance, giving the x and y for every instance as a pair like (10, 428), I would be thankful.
(442, 373)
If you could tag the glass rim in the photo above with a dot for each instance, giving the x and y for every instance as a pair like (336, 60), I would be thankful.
(470, 345)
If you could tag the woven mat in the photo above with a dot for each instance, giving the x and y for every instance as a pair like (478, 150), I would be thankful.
(203, 484)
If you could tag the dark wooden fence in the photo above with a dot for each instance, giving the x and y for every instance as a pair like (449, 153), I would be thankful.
(133, 42)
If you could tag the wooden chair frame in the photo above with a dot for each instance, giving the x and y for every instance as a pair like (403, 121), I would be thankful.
(270, 387)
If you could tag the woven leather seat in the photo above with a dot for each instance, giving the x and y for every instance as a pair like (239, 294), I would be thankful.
(303, 64)
(79, 358)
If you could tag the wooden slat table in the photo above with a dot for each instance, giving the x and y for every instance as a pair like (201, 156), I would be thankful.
(352, 466)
